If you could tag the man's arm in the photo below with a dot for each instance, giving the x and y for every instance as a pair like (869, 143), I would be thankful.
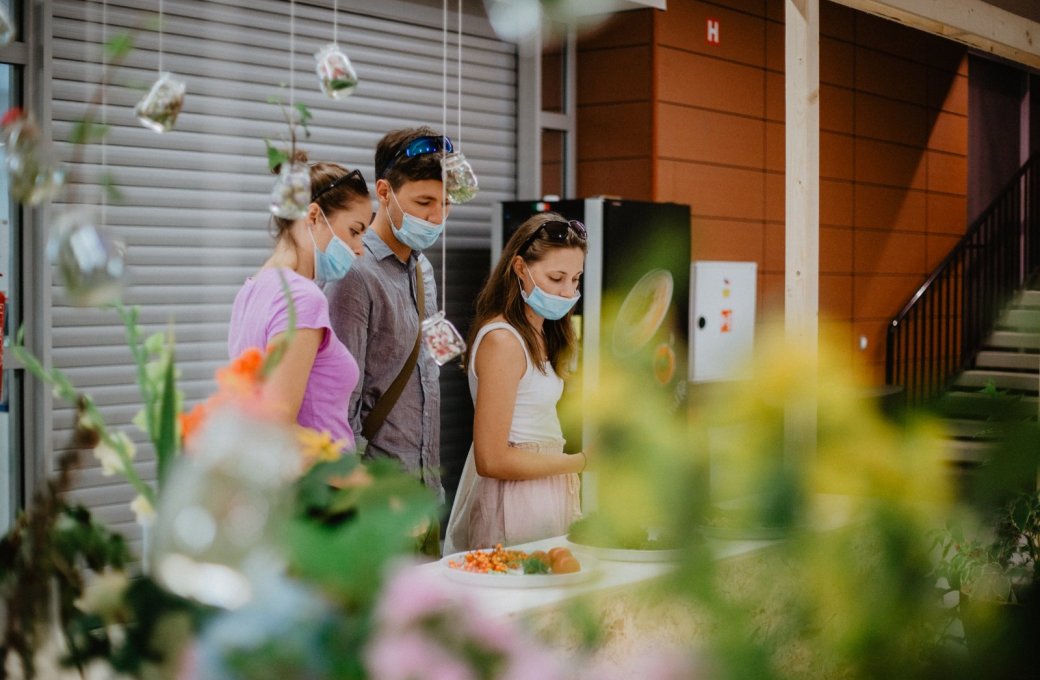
(350, 307)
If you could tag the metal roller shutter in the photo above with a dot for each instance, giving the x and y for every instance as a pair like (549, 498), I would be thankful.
(194, 216)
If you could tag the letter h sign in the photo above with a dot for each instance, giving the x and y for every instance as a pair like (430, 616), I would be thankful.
(713, 31)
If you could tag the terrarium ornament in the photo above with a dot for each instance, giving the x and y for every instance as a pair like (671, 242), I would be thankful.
(158, 109)
(335, 72)
(36, 175)
(442, 340)
(90, 262)
(460, 182)
(292, 191)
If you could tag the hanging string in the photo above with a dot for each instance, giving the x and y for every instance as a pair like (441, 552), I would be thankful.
(292, 53)
(458, 134)
(444, 131)
(335, 22)
(160, 36)
(104, 112)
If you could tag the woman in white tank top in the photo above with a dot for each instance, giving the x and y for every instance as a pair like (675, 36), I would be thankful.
(517, 484)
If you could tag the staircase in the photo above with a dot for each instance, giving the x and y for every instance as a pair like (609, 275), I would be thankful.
(968, 341)
(1001, 386)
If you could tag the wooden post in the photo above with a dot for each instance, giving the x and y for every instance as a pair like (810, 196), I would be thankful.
(802, 280)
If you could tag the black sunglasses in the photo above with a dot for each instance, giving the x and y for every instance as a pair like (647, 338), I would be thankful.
(555, 230)
(354, 176)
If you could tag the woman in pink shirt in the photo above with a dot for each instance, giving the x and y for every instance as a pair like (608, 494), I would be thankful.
(314, 379)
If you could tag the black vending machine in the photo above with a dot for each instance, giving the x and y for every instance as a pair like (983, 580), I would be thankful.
(635, 303)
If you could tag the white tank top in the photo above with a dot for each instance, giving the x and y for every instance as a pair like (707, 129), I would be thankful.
(534, 415)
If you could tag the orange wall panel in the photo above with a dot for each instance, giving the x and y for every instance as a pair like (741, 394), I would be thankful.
(627, 178)
(890, 120)
(685, 24)
(837, 109)
(691, 134)
(893, 77)
(889, 208)
(836, 250)
(716, 191)
(947, 172)
(836, 296)
(627, 126)
(836, 203)
(949, 133)
(836, 156)
(696, 80)
(600, 71)
(947, 214)
(893, 252)
(739, 240)
(894, 165)
(881, 296)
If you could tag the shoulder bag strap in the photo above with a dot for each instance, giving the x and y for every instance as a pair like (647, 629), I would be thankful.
(386, 402)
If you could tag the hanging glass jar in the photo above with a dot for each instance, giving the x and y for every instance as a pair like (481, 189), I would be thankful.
(91, 264)
(442, 340)
(335, 72)
(35, 173)
(158, 109)
(292, 191)
(460, 182)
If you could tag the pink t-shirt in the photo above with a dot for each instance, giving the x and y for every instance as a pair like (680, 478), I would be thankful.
(261, 312)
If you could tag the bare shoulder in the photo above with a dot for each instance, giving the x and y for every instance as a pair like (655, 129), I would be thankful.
(501, 353)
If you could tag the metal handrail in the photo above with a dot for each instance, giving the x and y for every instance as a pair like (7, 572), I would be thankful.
(944, 324)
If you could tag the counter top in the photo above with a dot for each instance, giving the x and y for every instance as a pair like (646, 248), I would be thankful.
(611, 574)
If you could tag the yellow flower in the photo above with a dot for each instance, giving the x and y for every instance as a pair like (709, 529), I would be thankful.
(319, 447)
(104, 594)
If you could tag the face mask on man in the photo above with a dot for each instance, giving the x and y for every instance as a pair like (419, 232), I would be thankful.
(335, 262)
(547, 305)
(416, 233)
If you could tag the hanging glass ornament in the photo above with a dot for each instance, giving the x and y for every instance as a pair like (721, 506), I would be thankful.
(335, 72)
(158, 109)
(6, 28)
(91, 264)
(442, 340)
(222, 507)
(460, 182)
(36, 175)
(292, 191)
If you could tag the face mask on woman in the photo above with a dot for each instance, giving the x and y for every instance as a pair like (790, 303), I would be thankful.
(335, 262)
(416, 233)
(547, 305)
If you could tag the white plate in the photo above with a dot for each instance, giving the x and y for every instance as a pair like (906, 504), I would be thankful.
(626, 555)
(589, 566)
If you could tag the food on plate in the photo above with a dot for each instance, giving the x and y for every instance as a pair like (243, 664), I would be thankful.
(500, 560)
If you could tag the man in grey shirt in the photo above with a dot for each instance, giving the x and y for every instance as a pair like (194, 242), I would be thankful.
(374, 309)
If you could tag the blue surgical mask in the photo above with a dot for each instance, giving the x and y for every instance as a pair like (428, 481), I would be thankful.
(335, 262)
(416, 233)
(547, 305)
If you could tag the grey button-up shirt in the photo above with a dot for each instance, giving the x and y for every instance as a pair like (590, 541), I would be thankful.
(373, 313)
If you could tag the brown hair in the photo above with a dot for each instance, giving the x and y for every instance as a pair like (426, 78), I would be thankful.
(398, 170)
(328, 197)
(501, 295)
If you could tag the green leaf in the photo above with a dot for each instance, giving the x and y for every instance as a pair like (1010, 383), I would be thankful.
(119, 46)
(111, 188)
(275, 99)
(166, 440)
(87, 131)
(304, 117)
(275, 156)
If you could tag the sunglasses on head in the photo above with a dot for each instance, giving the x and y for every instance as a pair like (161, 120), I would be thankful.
(555, 230)
(354, 176)
(420, 146)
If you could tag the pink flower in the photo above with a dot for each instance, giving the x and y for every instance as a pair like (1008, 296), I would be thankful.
(411, 655)
(410, 596)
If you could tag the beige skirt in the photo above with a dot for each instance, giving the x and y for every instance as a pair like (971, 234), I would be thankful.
(488, 511)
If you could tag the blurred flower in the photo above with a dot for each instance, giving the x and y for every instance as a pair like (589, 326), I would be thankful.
(110, 457)
(423, 632)
(103, 594)
(143, 510)
(317, 447)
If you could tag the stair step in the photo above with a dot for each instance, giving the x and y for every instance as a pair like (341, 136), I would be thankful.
(971, 429)
(1027, 320)
(1014, 340)
(981, 407)
(1004, 380)
(962, 451)
(1022, 361)
(1027, 298)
